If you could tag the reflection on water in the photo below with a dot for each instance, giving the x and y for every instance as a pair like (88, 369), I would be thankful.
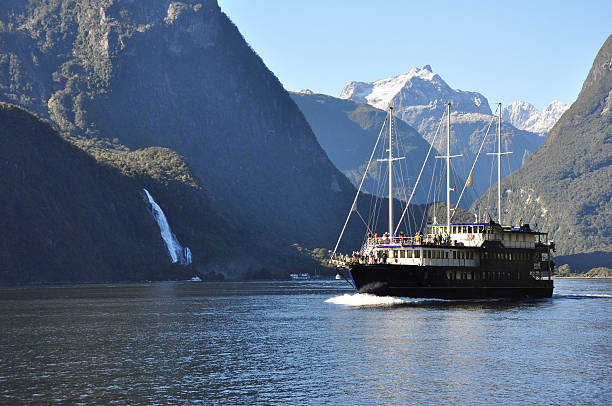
(300, 342)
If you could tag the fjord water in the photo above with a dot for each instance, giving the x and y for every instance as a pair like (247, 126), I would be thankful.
(300, 342)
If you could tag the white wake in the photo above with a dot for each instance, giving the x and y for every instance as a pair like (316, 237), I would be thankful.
(582, 295)
(365, 299)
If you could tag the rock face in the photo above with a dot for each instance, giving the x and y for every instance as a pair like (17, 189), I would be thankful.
(420, 97)
(564, 186)
(526, 117)
(347, 130)
(179, 75)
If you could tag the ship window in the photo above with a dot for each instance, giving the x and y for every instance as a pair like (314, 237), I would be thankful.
(446, 254)
(402, 254)
(470, 229)
(409, 254)
(417, 254)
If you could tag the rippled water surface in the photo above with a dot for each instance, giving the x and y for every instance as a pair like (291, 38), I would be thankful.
(301, 342)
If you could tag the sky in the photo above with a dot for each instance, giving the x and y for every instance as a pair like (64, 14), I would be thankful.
(535, 51)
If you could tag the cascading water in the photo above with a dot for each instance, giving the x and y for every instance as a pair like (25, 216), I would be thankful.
(176, 251)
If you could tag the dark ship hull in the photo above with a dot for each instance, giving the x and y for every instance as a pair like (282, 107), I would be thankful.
(448, 282)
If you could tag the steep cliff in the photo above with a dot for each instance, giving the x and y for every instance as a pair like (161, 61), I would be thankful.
(179, 75)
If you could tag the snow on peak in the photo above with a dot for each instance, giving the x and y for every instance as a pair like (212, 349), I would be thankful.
(305, 91)
(414, 93)
(525, 116)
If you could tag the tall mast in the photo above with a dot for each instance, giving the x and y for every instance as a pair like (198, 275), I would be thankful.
(391, 171)
(448, 188)
(448, 157)
(499, 154)
(499, 164)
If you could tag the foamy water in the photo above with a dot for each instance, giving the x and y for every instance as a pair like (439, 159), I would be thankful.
(365, 299)
(602, 295)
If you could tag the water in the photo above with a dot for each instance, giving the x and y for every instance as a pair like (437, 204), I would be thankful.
(300, 342)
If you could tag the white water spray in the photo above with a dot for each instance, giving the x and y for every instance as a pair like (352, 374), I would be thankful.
(365, 299)
(176, 251)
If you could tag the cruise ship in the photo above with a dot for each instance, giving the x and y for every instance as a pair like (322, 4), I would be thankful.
(451, 260)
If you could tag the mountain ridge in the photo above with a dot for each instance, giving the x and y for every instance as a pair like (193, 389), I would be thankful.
(420, 97)
(179, 75)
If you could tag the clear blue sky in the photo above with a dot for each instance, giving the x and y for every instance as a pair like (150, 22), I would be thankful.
(534, 51)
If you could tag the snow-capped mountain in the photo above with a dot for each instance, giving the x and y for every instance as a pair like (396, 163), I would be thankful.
(526, 117)
(416, 94)
(419, 97)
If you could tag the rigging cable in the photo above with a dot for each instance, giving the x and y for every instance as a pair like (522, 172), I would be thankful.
(421, 172)
(475, 160)
(359, 189)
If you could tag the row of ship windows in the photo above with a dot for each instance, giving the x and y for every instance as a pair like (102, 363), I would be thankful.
(491, 276)
(441, 254)
(432, 254)
(511, 256)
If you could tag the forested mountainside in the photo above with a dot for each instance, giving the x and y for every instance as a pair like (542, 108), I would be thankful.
(179, 75)
(66, 217)
(347, 130)
(565, 185)
(420, 96)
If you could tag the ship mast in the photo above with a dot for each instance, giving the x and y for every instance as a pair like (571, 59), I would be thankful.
(448, 189)
(390, 160)
(390, 171)
(499, 154)
(448, 157)
(499, 164)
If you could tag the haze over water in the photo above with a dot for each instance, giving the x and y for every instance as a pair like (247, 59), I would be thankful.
(300, 342)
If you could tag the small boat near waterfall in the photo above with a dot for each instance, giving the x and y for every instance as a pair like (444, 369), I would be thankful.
(451, 260)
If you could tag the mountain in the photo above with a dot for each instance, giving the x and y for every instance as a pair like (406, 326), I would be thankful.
(347, 130)
(180, 76)
(564, 186)
(419, 97)
(526, 117)
(66, 217)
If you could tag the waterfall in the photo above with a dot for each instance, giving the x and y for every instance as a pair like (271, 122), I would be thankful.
(176, 251)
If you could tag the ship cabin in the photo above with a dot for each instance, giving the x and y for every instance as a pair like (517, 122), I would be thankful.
(467, 245)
